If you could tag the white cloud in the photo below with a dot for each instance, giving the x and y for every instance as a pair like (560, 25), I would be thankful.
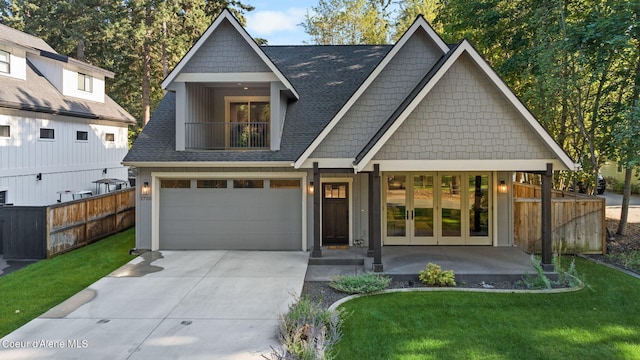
(268, 22)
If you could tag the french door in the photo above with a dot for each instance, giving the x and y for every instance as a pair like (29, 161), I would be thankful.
(437, 209)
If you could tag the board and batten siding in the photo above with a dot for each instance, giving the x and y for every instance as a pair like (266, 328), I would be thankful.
(64, 162)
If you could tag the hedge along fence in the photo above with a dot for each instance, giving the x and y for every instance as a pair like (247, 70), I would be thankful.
(577, 222)
(81, 222)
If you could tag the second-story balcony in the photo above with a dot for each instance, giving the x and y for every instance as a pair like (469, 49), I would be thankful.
(227, 135)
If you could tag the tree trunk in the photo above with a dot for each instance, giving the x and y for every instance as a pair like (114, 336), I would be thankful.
(80, 50)
(146, 70)
(626, 195)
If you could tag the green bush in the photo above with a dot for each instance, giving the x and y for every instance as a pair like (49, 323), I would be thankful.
(360, 284)
(566, 277)
(308, 331)
(433, 275)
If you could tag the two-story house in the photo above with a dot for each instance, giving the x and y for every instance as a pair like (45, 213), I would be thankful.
(298, 147)
(59, 131)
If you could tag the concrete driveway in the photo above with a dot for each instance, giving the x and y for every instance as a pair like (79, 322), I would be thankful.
(170, 305)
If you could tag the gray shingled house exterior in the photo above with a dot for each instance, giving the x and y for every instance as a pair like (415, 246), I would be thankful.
(298, 147)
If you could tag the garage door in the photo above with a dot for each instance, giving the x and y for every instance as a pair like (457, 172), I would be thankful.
(231, 214)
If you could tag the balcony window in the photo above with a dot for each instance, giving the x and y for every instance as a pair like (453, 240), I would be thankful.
(246, 126)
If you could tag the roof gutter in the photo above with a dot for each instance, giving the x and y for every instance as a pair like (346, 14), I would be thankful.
(46, 110)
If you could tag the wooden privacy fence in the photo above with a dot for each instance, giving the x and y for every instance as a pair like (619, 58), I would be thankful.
(46, 231)
(577, 221)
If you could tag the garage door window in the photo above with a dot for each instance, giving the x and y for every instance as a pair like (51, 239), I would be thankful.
(212, 184)
(248, 184)
(284, 184)
(175, 184)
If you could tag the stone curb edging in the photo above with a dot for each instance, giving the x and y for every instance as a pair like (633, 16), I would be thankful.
(610, 266)
(580, 286)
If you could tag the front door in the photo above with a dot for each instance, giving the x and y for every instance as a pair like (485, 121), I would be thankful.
(335, 214)
(437, 209)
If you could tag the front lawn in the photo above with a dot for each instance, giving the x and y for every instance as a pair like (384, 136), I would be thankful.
(598, 323)
(29, 292)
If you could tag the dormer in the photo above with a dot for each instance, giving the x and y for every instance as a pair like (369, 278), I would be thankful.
(13, 60)
(229, 94)
(71, 77)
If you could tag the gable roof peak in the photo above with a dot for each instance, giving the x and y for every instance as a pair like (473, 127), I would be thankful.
(226, 15)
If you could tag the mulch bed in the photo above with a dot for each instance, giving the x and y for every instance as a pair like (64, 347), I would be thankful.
(620, 243)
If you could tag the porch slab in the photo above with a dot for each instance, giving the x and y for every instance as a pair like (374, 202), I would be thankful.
(469, 263)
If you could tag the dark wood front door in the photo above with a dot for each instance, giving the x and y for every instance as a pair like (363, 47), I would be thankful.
(335, 214)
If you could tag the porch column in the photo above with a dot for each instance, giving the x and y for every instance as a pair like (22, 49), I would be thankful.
(371, 219)
(316, 252)
(376, 235)
(547, 178)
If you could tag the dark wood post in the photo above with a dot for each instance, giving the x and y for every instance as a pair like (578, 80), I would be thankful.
(375, 207)
(547, 178)
(317, 189)
(371, 219)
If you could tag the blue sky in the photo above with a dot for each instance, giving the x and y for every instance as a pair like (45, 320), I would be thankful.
(277, 20)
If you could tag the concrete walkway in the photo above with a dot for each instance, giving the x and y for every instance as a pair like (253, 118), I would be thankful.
(170, 305)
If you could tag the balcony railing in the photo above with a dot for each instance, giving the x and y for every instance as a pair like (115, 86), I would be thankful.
(227, 135)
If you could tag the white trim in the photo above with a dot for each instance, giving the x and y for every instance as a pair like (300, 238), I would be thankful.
(197, 164)
(348, 180)
(462, 165)
(465, 46)
(336, 163)
(227, 77)
(226, 14)
(494, 207)
(156, 176)
(420, 22)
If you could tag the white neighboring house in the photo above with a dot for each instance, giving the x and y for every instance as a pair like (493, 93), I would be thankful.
(59, 131)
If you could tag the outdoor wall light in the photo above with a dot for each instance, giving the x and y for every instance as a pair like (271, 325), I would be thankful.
(502, 188)
(104, 172)
(39, 176)
(311, 188)
(146, 189)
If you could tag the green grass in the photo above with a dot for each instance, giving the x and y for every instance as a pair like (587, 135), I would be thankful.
(598, 323)
(40, 286)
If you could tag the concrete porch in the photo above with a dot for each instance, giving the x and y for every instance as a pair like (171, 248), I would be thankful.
(469, 263)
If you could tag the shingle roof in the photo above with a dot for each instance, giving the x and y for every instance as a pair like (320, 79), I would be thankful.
(38, 94)
(324, 76)
(24, 39)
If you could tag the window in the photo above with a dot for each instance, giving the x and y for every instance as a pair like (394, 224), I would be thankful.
(109, 137)
(82, 135)
(5, 131)
(3, 197)
(248, 184)
(248, 122)
(4, 62)
(284, 184)
(85, 82)
(175, 184)
(212, 184)
(47, 134)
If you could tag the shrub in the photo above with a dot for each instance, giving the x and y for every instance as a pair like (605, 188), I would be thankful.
(566, 277)
(360, 284)
(308, 331)
(433, 275)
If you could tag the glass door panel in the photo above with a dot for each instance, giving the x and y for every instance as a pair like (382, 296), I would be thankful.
(479, 205)
(451, 204)
(423, 205)
(396, 210)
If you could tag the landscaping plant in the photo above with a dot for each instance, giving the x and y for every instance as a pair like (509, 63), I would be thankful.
(433, 275)
(360, 284)
(308, 331)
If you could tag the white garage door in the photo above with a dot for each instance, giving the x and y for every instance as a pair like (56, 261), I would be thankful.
(231, 214)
